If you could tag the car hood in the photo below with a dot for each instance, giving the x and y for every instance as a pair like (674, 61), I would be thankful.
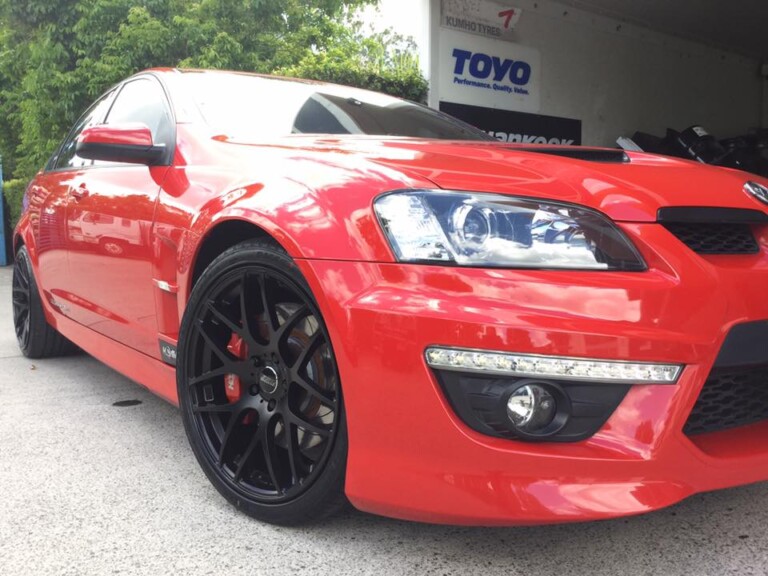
(627, 186)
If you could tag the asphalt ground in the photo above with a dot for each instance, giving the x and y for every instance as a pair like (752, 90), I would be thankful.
(87, 487)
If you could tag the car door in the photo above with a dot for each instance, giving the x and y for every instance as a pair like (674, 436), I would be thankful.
(109, 220)
(48, 198)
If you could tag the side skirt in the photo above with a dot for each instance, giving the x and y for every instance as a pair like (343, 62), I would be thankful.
(156, 376)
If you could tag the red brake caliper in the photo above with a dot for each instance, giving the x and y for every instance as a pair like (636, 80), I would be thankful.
(237, 348)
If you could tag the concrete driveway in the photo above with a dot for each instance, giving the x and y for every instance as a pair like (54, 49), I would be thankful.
(87, 487)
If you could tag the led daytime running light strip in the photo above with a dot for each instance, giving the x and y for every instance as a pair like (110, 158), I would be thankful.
(556, 367)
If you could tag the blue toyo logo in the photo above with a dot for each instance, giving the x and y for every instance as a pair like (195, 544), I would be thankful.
(483, 66)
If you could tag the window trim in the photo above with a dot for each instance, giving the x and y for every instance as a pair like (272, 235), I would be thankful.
(113, 93)
(170, 148)
(54, 159)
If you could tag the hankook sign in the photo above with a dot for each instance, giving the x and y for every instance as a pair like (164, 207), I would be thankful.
(518, 127)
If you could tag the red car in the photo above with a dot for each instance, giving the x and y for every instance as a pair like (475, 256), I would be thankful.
(354, 297)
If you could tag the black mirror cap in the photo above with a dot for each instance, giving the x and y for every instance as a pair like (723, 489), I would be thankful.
(130, 154)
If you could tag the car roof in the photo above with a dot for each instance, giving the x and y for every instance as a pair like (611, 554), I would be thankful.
(210, 72)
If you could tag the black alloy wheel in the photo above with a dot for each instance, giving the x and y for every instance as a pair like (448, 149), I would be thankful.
(20, 294)
(259, 388)
(36, 338)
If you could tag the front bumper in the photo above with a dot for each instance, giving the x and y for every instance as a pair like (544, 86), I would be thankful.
(411, 457)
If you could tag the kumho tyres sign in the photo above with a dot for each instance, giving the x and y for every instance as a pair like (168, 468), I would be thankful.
(484, 72)
(482, 17)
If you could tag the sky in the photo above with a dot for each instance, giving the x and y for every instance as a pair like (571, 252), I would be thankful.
(397, 14)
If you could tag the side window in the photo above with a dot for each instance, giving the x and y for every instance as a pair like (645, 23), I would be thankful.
(320, 116)
(66, 157)
(144, 101)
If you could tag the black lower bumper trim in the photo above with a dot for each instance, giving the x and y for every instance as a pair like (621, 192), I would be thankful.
(480, 402)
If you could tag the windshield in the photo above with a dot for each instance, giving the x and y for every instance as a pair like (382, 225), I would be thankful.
(241, 106)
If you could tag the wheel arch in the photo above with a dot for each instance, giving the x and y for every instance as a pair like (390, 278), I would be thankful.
(232, 229)
(17, 238)
(18, 242)
(220, 237)
(23, 236)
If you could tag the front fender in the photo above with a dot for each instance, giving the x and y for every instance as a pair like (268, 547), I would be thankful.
(330, 219)
(23, 234)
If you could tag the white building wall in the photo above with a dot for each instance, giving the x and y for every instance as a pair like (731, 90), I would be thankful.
(615, 77)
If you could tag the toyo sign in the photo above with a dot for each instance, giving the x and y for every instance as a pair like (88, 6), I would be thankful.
(484, 66)
(489, 73)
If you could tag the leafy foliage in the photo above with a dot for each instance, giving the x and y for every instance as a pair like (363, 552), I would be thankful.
(384, 62)
(57, 57)
(13, 191)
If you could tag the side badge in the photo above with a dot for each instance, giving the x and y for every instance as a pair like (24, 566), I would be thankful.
(168, 353)
(757, 190)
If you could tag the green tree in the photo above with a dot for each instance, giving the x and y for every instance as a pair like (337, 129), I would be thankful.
(56, 57)
(382, 61)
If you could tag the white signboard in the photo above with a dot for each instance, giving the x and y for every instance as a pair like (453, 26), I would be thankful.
(483, 17)
(485, 72)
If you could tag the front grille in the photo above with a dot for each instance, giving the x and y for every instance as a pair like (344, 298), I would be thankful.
(730, 398)
(715, 238)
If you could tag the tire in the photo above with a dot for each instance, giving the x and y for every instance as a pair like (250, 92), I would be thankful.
(112, 247)
(36, 338)
(259, 389)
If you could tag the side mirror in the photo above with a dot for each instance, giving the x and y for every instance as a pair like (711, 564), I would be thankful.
(130, 143)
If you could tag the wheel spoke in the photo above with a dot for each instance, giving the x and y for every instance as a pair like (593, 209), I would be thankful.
(301, 422)
(18, 291)
(222, 353)
(309, 350)
(211, 374)
(292, 441)
(312, 388)
(270, 315)
(214, 409)
(246, 456)
(231, 425)
(19, 313)
(287, 327)
(22, 276)
(268, 448)
(221, 317)
(21, 322)
(246, 311)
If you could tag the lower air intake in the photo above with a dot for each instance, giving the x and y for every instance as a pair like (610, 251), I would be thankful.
(730, 398)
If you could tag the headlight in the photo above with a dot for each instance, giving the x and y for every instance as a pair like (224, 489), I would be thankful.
(492, 230)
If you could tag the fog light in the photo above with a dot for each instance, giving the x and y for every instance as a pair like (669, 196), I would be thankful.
(531, 408)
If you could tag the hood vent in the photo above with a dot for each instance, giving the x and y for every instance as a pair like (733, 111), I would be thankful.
(579, 153)
(710, 215)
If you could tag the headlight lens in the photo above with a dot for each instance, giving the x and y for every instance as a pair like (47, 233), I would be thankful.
(491, 230)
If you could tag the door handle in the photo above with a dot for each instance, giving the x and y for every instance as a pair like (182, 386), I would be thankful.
(79, 193)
